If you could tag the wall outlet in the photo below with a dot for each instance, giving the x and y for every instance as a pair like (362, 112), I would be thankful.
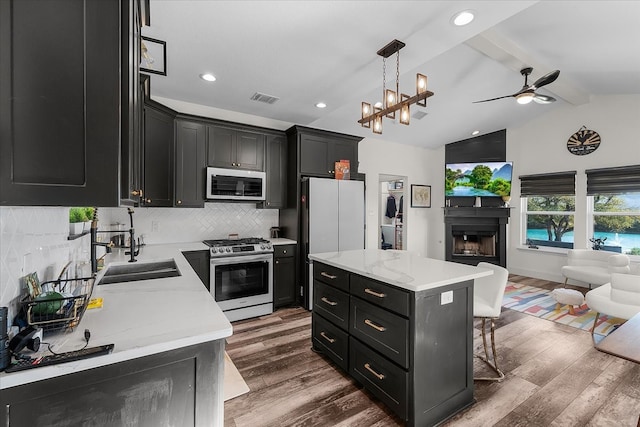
(446, 298)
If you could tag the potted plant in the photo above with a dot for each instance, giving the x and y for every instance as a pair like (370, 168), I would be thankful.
(88, 213)
(77, 217)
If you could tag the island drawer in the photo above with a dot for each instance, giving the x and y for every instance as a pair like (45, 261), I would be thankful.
(332, 303)
(394, 299)
(331, 275)
(330, 340)
(382, 378)
(385, 331)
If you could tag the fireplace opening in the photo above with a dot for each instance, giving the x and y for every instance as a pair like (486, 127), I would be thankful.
(474, 243)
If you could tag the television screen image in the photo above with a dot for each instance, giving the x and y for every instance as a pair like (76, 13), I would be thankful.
(486, 179)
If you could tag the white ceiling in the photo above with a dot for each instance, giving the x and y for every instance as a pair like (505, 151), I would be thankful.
(309, 51)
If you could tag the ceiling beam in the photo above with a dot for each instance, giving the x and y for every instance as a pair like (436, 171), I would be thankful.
(503, 50)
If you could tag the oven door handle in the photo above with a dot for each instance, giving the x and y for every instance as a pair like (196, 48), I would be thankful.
(241, 258)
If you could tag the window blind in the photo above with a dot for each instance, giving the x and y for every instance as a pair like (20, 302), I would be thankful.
(548, 184)
(623, 179)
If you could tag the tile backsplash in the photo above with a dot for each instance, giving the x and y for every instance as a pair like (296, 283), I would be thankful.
(35, 238)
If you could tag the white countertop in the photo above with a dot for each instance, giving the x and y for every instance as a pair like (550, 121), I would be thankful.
(140, 317)
(401, 269)
(282, 241)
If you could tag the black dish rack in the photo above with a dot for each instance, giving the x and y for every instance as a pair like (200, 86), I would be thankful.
(63, 312)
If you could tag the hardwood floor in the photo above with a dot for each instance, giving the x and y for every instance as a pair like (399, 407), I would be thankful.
(554, 377)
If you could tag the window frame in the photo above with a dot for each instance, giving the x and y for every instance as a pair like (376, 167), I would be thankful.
(525, 212)
(592, 213)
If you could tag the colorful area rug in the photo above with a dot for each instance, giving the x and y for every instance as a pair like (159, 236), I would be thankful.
(539, 302)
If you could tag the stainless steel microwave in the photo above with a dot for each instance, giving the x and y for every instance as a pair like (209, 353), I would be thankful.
(235, 184)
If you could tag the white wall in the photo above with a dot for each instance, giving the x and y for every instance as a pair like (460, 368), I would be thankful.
(379, 157)
(539, 146)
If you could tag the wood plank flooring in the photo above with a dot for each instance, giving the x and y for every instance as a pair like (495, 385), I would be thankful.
(554, 377)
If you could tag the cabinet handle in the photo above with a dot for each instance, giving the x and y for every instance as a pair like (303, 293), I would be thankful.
(277, 262)
(136, 193)
(374, 293)
(370, 369)
(284, 252)
(327, 275)
(328, 301)
(374, 326)
(331, 340)
(179, 202)
(148, 200)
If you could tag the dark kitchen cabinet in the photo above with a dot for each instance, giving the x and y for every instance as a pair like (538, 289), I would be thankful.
(68, 109)
(190, 164)
(176, 387)
(199, 261)
(158, 165)
(407, 348)
(276, 170)
(235, 148)
(318, 154)
(284, 275)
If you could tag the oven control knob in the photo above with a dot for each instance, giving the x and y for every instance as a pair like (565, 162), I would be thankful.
(262, 246)
(214, 250)
(228, 249)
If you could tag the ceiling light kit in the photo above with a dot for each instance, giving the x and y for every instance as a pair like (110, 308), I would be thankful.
(321, 105)
(391, 102)
(528, 92)
(208, 77)
(463, 18)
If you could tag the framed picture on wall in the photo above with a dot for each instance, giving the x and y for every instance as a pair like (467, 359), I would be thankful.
(153, 56)
(420, 196)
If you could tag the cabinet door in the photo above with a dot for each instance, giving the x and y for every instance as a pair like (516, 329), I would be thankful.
(344, 150)
(221, 147)
(60, 112)
(249, 151)
(158, 158)
(190, 164)
(314, 152)
(276, 170)
(284, 276)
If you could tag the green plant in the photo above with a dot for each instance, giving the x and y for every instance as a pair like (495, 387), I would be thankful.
(79, 215)
(88, 211)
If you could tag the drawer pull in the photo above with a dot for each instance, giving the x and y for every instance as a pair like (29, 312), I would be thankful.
(327, 275)
(370, 369)
(331, 340)
(328, 301)
(374, 326)
(374, 293)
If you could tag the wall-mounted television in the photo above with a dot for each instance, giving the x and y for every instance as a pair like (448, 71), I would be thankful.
(484, 179)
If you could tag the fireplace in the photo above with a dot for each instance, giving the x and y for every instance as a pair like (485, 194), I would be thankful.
(475, 235)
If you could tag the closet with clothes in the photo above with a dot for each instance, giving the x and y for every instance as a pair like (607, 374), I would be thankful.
(392, 228)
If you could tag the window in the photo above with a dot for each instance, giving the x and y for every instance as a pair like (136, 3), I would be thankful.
(614, 203)
(548, 209)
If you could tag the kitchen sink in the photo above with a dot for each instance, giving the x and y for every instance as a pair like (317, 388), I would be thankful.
(140, 271)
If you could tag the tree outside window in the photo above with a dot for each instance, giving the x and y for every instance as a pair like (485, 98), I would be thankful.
(549, 220)
(616, 222)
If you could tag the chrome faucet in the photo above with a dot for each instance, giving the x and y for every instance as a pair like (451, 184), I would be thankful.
(133, 251)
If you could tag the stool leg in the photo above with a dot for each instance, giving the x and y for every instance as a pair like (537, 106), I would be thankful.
(572, 311)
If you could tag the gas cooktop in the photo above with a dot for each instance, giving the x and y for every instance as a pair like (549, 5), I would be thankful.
(250, 245)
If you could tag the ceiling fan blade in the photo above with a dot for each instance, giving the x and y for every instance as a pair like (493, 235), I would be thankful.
(493, 99)
(543, 99)
(546, 79)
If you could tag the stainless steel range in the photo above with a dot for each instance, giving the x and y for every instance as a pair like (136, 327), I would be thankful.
(242, 276)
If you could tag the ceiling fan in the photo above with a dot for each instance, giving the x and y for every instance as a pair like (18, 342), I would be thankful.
(528, 92)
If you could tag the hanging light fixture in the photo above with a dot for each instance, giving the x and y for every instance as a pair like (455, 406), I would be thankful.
(393, 100)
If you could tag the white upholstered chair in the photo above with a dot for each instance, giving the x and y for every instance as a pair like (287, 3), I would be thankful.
(488, 292)
(593, 267)
(619, 298)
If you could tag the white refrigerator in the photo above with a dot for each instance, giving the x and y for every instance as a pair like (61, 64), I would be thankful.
(332, 220)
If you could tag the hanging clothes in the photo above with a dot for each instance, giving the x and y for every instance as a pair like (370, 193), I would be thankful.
(400, 208)
(391, 207)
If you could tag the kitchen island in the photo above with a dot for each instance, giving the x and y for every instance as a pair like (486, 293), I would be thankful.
(167, 366)
(401, 325)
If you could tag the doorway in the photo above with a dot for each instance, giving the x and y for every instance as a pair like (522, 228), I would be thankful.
(392, 221)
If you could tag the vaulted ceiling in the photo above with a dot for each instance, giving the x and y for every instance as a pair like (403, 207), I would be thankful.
(304, 52)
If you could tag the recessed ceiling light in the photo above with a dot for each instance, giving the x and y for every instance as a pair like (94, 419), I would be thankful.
(208, 77)
(462, 18)
(321, 105)
(475, 132)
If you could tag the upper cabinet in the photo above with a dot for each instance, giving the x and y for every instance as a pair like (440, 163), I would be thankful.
(158, 165)
(190, 164)
(69, 103)
(235, 148)
(319, 150)
(276, 169)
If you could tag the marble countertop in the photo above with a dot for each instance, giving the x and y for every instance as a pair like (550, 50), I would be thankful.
(141, 317)
(401, 269)
(282, 241)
